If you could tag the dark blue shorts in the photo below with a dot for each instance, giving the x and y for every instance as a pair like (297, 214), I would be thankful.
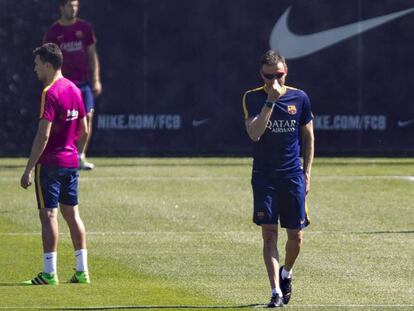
(280, 199)
(56, 185)
(87, 96)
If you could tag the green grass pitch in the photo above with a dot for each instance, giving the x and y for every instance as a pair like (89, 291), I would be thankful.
(177, 233)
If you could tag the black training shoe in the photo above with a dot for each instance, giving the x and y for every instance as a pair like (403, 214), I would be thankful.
(275, 302)
(285, 286)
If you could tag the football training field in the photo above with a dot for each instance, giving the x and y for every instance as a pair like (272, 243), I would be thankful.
(177, 234)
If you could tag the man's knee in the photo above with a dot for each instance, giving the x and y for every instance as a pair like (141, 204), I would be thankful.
(69, 213)
(68, 217)
(48, 216)
(269, 235)
(296, 236)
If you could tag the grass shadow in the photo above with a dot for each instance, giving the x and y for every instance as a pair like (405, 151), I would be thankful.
(385, 232)
(11, 284)
(12, 166)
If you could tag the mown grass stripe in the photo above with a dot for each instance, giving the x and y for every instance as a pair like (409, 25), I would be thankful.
(205, 251)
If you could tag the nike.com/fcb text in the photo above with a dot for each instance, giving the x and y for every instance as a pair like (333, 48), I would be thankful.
(140, 122)
(350, 122)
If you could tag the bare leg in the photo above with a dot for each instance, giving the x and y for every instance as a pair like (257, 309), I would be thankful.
(50, 231)
(271, 254)
(293, 245)
(76, 227)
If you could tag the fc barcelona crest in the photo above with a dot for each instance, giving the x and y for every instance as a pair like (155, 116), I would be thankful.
(291, 109)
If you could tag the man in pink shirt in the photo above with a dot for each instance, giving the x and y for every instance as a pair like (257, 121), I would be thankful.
(77, 40)
(54, 156)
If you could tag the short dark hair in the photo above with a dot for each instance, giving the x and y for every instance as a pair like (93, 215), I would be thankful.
(63, 2)
(272, 57)
(50, 53)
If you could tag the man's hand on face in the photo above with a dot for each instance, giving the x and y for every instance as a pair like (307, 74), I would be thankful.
(274, 91)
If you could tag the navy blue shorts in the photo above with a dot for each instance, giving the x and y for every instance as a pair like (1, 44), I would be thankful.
(87, 96)
(280, 199)
(56, 185)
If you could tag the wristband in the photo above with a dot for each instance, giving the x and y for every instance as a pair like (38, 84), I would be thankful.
(270, 104)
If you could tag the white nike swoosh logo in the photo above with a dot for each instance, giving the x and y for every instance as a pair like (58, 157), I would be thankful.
(293, 46)
(405, 123)
(197, 123)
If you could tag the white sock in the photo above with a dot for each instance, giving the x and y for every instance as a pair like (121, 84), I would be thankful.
(286, 274)
(49, 262)
(277, 291)
(81, 256)
(81, 156)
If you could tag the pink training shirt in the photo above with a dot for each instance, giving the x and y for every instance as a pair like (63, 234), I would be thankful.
(62, 104)
(74, 41)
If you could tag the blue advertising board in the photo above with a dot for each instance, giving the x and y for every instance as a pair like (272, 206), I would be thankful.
(174, 72)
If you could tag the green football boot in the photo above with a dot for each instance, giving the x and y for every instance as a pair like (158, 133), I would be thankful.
(81, 277)
(43, 278)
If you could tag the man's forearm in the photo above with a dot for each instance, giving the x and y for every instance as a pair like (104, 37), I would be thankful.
(82, 142)
(308, 154)
(258, 125)
(95, 69)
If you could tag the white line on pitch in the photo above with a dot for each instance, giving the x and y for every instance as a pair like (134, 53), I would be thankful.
(136, 233)
(322, 177)
(236, 233)
(202, 178)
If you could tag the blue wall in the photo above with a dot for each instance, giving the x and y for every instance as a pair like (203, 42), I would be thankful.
(174, 72)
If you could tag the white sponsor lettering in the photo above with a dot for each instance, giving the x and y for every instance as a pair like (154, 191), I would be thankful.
(72, 115)
(281, 126)
(72, 46)
(140, 122)
(350, 122)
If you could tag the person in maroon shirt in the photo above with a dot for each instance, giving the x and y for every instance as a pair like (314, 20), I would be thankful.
(54, 155)
(77, 40)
